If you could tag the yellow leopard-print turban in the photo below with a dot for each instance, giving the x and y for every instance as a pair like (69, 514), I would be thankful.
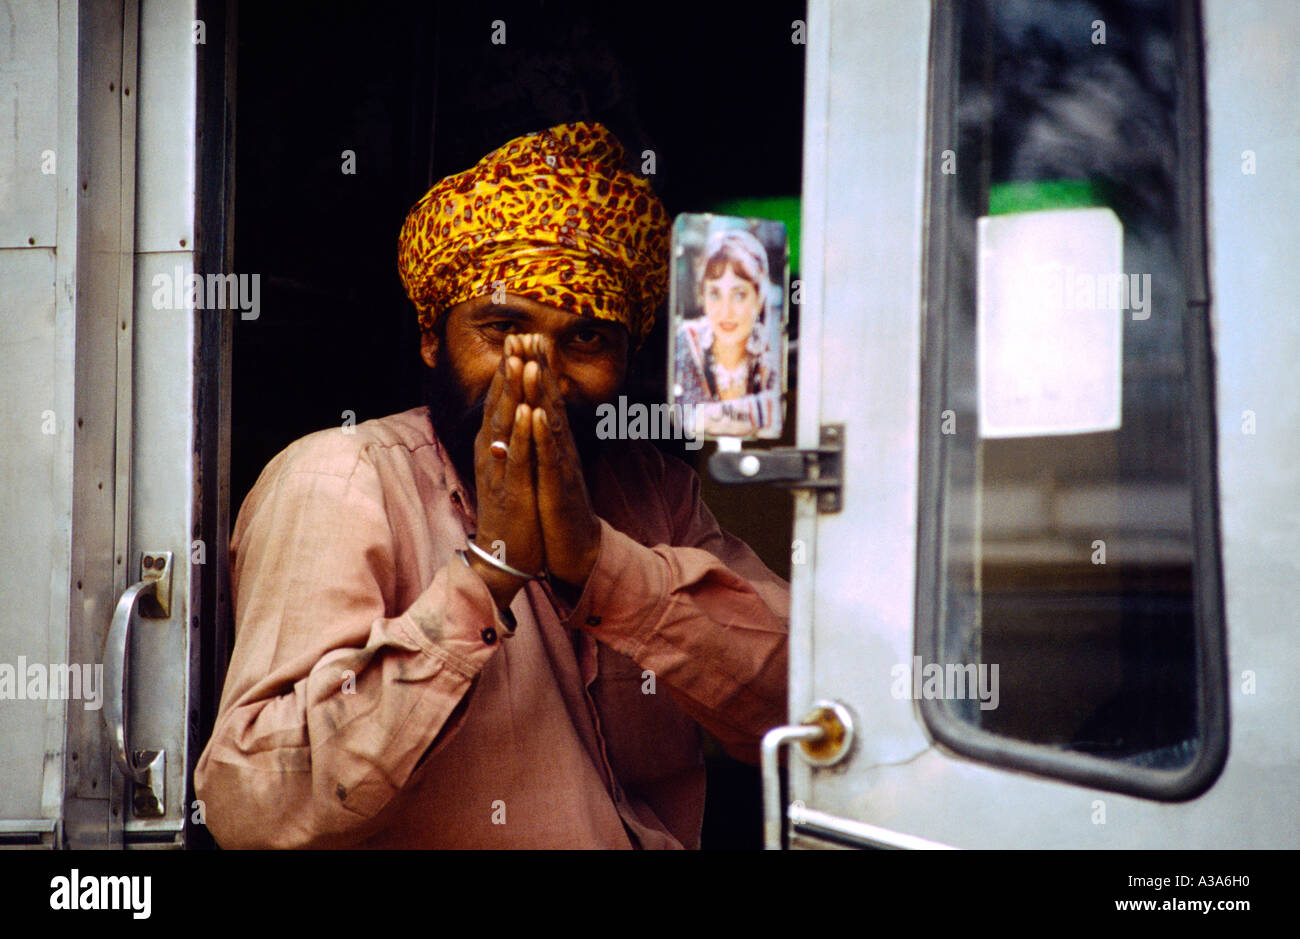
(552, 216)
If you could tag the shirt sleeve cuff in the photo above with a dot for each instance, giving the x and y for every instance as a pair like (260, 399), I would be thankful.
(626, 591)
(456, 620)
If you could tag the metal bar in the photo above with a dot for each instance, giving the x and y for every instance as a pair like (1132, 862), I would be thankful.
(810, 822)
(125, 330)
(95, 292)
(773, 741)
(22, 826)
(814, 208)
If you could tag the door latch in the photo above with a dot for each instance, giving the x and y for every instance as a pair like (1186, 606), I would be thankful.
(821, 469)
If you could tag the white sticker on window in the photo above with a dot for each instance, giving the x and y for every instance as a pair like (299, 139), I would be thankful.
(1051, 299)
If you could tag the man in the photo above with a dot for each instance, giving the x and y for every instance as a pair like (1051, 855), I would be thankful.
(477, 625)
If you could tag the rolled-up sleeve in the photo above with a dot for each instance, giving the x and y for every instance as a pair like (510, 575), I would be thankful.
(333, 698)
(703, 613)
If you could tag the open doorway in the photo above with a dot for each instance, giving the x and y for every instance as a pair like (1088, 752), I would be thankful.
(346, 115)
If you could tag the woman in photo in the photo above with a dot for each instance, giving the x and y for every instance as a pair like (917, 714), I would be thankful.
(724, 365)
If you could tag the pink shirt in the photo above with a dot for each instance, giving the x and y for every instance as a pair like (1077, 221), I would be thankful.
(369, 704)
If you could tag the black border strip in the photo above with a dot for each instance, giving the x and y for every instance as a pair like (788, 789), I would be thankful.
(212, 629)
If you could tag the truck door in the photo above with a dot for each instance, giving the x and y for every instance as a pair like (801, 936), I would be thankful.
(110, 374)
(1009, 628)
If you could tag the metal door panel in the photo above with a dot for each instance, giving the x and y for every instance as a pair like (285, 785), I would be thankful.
(85, 346)
(167, 114)
(28, 90)
(161, 520)
(863, 370)
(1254, 237)
(955, 801)
(33, 522)
(853, 616)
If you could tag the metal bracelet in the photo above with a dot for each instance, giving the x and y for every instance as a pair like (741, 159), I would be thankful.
(497, 563)
(507, 616)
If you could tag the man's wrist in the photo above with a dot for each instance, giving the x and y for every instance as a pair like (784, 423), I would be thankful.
(501, 585)
(576, 579)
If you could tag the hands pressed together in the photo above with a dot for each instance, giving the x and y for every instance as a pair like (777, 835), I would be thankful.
(532, 497)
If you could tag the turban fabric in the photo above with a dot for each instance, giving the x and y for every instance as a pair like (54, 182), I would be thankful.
(552, 216)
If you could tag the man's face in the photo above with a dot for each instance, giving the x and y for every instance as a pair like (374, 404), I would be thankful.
(589, 360)
(590, 355)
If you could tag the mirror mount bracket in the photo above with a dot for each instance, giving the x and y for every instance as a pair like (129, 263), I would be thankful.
(820, 469)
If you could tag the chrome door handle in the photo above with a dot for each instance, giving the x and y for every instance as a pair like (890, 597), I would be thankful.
(825, 737)
(153, 594)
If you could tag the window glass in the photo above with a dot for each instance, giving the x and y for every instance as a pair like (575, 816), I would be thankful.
(1070, 538)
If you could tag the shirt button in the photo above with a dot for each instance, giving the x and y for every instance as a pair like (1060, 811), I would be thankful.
(593, 620)
(489, 635)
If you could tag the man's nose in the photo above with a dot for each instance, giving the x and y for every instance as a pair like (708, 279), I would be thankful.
(562, 380)
(555, 362)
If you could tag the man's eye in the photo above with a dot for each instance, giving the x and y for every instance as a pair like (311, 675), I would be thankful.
(588, 338)
(503, 326)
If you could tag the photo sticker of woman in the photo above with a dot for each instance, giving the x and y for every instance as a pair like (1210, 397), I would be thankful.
(725, 368)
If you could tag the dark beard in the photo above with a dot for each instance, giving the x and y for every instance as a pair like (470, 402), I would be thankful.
(456, 423)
